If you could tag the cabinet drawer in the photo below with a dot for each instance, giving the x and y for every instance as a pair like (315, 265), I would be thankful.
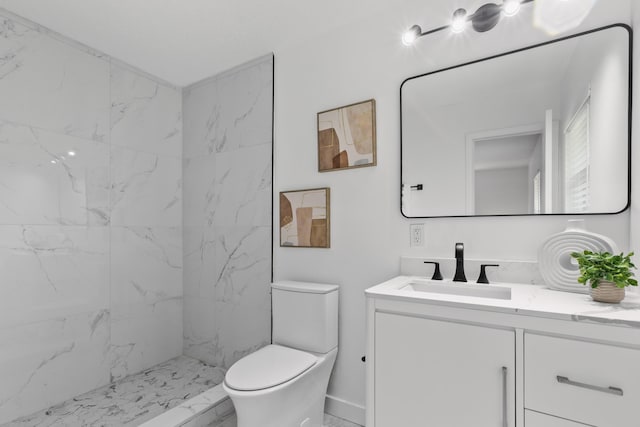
(536, 419)
(591, 383)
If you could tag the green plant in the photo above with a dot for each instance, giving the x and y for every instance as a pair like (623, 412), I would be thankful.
(597, 266)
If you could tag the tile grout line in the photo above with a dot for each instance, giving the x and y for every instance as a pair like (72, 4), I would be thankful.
(109, 240)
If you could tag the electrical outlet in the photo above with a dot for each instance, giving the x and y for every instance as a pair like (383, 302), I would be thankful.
(416, 235)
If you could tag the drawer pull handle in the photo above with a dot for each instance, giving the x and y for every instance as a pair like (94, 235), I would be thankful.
(504, 397)
(611, 390)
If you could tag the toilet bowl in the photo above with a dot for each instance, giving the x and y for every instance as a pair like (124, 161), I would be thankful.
(284, 384)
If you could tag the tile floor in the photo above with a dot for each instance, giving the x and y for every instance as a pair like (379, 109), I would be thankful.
(132, 400)
(139, 398)
(329, 421)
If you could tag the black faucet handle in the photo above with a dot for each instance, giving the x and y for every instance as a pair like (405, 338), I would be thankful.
(436, 271)
(483, 272)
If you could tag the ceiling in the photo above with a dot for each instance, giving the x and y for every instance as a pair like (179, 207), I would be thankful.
(505, 152)
(183, 41)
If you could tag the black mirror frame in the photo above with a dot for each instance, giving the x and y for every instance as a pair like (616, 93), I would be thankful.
(629, 121)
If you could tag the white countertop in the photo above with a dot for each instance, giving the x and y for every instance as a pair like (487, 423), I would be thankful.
(528, 300)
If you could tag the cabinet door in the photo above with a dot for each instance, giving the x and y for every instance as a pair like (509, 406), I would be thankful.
(431, 373)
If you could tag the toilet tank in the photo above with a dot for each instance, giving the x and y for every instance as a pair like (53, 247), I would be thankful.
(305, 315)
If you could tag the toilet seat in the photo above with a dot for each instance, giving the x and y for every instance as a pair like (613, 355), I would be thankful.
(268, 367)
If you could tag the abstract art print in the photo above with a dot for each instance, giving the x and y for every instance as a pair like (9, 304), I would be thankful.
(304, 218)
(347, 137)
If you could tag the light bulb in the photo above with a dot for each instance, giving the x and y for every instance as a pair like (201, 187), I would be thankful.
(53, 162)
(510, 7)
(410, 36)
(71, 153)
(559, 16)
(459, 20)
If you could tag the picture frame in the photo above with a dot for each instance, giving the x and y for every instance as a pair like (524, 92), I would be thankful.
(347, 137)
(305, 218)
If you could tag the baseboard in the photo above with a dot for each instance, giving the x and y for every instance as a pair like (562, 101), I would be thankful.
(344, 409)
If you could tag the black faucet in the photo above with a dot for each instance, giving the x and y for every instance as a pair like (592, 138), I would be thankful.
(459, 276)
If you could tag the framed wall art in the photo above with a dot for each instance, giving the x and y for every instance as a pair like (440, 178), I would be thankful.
(347, 137)
(304, 218)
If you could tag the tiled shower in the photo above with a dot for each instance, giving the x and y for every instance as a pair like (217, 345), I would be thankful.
(135, 217)
(227, 213)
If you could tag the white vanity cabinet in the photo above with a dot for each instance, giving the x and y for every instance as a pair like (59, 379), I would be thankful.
(434, 373)
(539, 359)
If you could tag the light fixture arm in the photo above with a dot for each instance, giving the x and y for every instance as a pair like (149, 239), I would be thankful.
(435, 30)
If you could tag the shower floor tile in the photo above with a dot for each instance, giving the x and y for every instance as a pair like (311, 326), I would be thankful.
(131, 400)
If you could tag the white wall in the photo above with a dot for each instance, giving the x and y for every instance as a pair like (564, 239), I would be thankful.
(368, 233)
(502, 191)
(606, 80)
(227, 213)
(91, 245)
(635, 152)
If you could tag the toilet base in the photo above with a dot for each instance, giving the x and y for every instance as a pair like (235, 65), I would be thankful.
(296, 403)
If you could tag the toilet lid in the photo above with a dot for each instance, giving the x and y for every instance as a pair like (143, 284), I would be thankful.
(268, 367)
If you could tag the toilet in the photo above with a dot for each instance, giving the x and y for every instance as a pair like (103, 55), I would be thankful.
(284, 384)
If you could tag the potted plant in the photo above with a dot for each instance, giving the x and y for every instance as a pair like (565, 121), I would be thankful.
(608, 275)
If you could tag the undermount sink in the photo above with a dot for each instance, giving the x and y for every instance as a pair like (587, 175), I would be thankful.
(455, 288)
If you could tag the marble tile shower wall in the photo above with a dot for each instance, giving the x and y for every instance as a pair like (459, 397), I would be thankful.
(91, 244)
(227, 213)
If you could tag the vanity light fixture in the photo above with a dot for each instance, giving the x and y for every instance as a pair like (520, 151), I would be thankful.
(484, 19)
(558, 16)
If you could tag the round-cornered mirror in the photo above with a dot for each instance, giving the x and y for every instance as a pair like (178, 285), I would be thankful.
(543, 130)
